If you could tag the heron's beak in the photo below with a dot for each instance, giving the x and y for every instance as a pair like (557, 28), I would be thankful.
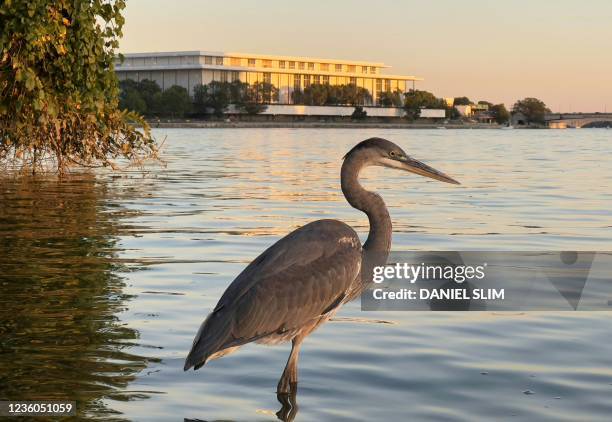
(420, 168)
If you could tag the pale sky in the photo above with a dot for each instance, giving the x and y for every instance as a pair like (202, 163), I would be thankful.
(556, 50)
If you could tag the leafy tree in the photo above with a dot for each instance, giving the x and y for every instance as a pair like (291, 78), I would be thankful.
(133, 101)
(533, 109)
(256, 96)
(325, 94)
(59, 93)
(316, 94)
(128, 85)
(298, 97)
(462, 101)
(151, 93)
(262, 92)
(391, 99)
(500, 114)
(175, 101)
(215, 95)
(359, 113)
(200, 99)
(452, 113)
(415, 100)
(251, 107)
(238, 91)
(486, 103)
(356, 95)
(130, 98)
(131, 92)
(218, 96)
(334, 95)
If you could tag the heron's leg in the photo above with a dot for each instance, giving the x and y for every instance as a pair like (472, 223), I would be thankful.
(289, 409)
(289, 378)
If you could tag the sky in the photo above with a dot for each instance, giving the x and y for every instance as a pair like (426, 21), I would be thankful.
(555, 50)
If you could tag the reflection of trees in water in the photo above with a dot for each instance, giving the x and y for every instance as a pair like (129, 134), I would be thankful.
(59, 334)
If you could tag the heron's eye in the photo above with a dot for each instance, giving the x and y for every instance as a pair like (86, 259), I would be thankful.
(392, 154)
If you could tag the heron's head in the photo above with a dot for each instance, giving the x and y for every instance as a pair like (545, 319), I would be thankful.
(380, 152)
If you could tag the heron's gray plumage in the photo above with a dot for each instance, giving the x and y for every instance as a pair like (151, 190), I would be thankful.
(290, 285)
(300, 281)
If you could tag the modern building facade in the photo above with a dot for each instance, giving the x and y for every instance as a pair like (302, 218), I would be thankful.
(287, 73)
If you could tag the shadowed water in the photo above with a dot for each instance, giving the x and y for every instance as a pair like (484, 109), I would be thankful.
(105, 279)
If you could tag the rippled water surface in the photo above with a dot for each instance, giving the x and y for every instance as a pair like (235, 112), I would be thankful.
(106, 277)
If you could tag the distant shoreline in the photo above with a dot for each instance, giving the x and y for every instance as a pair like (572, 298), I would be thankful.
(312, 125)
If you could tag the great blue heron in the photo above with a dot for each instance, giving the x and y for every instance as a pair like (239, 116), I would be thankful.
(299, 282)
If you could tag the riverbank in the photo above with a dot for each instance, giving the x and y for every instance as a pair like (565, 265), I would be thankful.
(202, 124)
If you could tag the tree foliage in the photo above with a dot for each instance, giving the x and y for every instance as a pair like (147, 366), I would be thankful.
(452, 113)
(217, 96)
(500, 113)
(391, 99)
(326, 94)
(415, 100)
(143, 97)
(533, 109)
(59, 92)
(151, 94)
(175, 101)
(462, 101)
(131, 100)
(359, 113)
(256, 96)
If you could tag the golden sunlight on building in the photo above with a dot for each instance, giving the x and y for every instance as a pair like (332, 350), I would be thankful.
(287, 73)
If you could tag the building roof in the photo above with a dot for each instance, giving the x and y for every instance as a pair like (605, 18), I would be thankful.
(255, 56)
(152, 67)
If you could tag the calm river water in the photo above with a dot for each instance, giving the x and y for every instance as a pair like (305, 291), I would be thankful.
(105, 279)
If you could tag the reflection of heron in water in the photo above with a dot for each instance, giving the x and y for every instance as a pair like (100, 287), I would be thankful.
(302, 280)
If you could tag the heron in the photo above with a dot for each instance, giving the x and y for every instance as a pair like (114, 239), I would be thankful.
(302, 280)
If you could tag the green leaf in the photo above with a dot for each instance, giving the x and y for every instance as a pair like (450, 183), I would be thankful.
(30, 81)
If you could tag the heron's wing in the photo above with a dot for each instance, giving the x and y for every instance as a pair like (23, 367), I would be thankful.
(299, 278)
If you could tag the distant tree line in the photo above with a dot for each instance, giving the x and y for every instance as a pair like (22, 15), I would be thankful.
(415, 100)
(216, 97)
(500, 114)
(391, 98)
(531, 110)
(147, 98)
(349, 94)
(326, 94)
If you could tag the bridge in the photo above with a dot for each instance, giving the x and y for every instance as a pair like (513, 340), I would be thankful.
(576, 120)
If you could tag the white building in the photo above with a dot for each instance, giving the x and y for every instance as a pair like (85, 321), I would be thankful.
(287, 73)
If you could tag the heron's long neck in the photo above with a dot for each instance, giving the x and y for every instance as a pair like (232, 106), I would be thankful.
(379, 238)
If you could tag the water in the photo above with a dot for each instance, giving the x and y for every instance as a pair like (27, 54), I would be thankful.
(105, 279)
